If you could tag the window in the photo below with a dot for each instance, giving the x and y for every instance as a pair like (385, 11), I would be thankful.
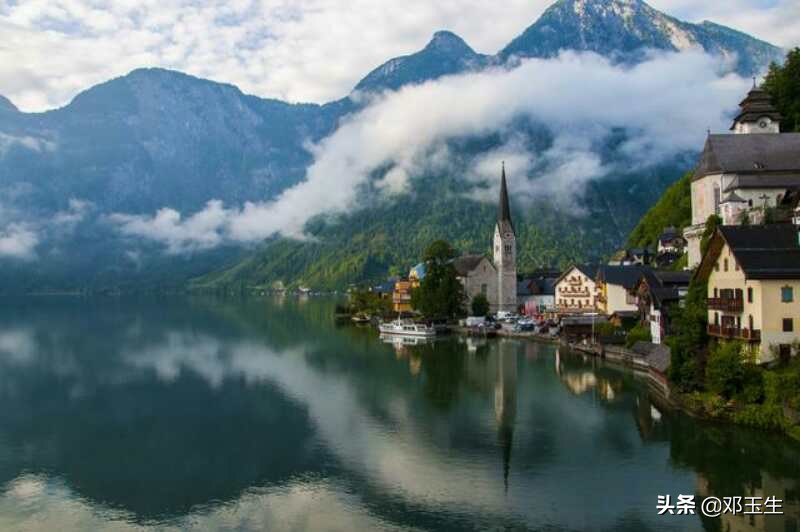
(750, 322)
(508, 248)
(788, 325)
(716, 266)
(787, 294)
(736, 265)
(725, 265)
(749, 294)
(716, 292)
(716, 199)
(716, 318)
(484, 289)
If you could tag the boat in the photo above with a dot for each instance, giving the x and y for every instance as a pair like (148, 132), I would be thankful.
(360, 318)
(407, 328)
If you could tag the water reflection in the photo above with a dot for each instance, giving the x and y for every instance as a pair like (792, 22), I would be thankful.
(258, 414)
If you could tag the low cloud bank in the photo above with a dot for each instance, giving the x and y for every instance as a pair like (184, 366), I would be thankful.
(664, 107)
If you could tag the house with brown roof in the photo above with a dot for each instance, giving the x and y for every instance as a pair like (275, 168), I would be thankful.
(658, 292)
(743, 173)
(753, 275)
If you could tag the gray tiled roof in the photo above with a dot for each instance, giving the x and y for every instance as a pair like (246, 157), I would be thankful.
(750, 154)
(467, 263)
(765, 251)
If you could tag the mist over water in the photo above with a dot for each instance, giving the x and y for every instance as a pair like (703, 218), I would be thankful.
(261, 414)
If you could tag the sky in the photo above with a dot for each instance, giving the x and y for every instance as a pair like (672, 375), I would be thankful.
(309, 50)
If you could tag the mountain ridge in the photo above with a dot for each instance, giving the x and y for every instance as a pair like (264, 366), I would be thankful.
(158, 138)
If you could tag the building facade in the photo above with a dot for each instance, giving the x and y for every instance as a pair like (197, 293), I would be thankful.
(615, 288)
(576, 290)
(753, 275)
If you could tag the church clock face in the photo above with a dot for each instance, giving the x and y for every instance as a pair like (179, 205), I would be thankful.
(508, 235)
(763, 124)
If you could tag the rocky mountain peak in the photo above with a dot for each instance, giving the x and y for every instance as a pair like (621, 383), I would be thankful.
(448, 43)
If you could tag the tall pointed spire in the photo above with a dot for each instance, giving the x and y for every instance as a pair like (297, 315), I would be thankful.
(504, 212)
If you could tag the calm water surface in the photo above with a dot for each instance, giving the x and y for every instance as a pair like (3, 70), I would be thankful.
(261, 414)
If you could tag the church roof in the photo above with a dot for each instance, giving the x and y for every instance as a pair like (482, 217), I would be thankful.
(733, 197)
(504, 211)
(756, 154)
(757, 104)
(467, 263)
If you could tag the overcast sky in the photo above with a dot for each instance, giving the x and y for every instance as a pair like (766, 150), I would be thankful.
(297, 50)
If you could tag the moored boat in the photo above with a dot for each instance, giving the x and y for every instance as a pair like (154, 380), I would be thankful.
(407, 328)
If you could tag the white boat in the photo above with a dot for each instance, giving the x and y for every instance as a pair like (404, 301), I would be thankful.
(407, 328)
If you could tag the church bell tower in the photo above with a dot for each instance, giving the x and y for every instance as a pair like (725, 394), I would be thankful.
(505, 252)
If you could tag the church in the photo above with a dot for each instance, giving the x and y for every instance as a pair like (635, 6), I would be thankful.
(497, 278)
(743, 173)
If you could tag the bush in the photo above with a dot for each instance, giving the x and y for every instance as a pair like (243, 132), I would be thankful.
(725, 371)
(752, 385)
(480, 305)
(761, 416)
(639, 333)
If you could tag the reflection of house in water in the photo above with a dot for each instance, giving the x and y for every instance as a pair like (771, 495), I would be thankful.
(582, 378)
(783, 489)
(403, 350)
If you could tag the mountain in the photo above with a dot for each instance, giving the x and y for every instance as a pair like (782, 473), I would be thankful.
(624, 29)
(6, 105)
(157, 138)
(446, 53)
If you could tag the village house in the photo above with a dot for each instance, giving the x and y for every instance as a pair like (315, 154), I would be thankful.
(576, 290)
(401, 295)
(632, 257)
(536, 292)
(742, 174)
(657, 293)
(753, 275)
(615, 289)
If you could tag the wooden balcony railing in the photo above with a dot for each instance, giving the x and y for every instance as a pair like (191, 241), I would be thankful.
(734, 333)
(726, 304)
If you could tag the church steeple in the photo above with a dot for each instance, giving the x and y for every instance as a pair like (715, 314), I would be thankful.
(757, 113)
(504, 211)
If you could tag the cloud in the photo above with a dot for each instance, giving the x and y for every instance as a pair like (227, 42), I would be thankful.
(31, 143)
(52, 49)
(665, 105)
(21, 233)
(18, 241)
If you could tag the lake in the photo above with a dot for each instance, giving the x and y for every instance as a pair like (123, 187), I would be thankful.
(262, 414)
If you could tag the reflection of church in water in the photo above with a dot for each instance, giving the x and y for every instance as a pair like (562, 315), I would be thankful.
(493, 366)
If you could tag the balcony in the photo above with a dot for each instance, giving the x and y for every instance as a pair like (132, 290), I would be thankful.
(726, 304)
(734, 333)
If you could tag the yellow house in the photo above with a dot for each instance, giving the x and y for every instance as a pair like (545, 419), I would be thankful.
(401, 297)
(615, 288)
(753, 275)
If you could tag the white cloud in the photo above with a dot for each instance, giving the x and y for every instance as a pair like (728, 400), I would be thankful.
(25, 141)
(310, 50)
(665, 104)
(21, 233)
(18, 241)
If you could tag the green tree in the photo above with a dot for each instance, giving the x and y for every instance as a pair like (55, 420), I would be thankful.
(673, 209)
(480, 305)
(689, 343)
(725, 371)
(712, 222)
(783, 85)
(440, 293)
